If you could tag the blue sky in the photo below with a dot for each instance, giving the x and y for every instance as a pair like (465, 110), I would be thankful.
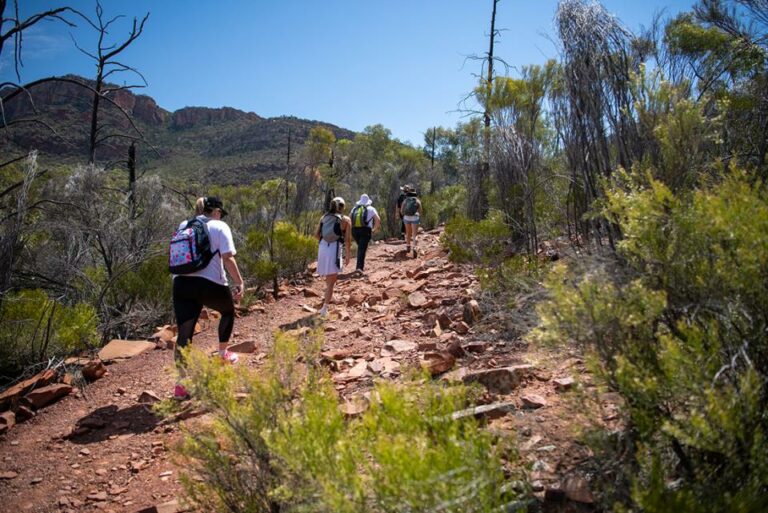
(349, 62)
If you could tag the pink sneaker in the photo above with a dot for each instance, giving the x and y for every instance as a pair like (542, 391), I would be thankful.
(230, 357)
(180, 393)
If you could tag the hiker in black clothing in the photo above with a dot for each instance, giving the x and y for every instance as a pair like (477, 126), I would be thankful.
(398, 215)
(411, 211)
(365, 222)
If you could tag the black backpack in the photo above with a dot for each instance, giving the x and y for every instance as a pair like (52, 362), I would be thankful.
(410, 206)
(190, 248)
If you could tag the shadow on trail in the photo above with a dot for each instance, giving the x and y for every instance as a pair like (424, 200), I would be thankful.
(110, 420)
(311, 321)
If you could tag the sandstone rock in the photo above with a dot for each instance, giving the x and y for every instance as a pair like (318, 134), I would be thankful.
(7, 421)
(461, 327)
(476, 347)
(417, 300)
(123, 349)
(454, 347)
(246, 346)
(307, 292)
(308, 308)
(486, 411)
(393, 293)
(563, 384)
(471, 313)
(40, 397)
(8, 474)
(427, 346)
(577, 489)
(397, 346)
(148, 397)
(12, 394)
(93, 370)
(533, 401)
(413, 287)
(24, 413)
(499, 381)
(356, 299)
(444, 320)
(359, 370)
(354, 406)
(438, 362)
(97, 496)
(336, 354)
(168, 332)
(436, 331)
(385, 366)
(378, 276)
(166, 507)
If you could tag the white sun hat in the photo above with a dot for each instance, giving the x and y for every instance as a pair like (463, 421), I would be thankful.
(365, 200)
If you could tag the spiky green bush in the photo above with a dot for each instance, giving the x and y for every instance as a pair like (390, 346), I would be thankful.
(680, 333)
(34, 327)
(284, 444)
(276, 254)
(477, 241)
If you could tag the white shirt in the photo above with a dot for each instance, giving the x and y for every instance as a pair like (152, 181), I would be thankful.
(221, 242)
(371, 213)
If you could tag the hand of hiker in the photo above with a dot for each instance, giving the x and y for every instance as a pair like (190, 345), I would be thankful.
(238, 293)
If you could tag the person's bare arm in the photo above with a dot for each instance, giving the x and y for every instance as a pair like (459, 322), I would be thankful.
(318, 233)
(230, 264)
(347, 228)
(420, 209)
(376, 223)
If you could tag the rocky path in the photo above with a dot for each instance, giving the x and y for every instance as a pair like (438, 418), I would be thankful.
(101, 449)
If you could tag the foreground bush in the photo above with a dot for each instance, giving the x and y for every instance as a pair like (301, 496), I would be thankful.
(682, 337)
(285, 445)
(279, 254)
(34, 328)
(482, 242)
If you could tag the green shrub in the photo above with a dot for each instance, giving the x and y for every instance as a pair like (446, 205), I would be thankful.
(34, 328)
(477, 241)
(681, 335)
(291, 252)
(442, 206)
(286, 445)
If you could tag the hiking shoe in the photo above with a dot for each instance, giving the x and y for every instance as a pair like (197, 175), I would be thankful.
(229, 357)
(180, 393)
(324, 311)
(359, 272)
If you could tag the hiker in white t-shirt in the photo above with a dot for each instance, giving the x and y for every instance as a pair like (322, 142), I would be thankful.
(208, 286)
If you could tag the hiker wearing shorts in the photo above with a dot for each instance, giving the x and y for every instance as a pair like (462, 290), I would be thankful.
(365, 222)
(208, 286)
(332, 232)
(411, 212)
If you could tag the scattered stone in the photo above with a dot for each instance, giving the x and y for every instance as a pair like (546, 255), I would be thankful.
(427, 346)
(124, 349)
(354, 406)
(436, 331)
(472, 312)
(36, 480)
(117, 490)
(476, 347)
(577, 489)
(23, 413)
(40, 397)
(308, 309)
(392, 293)
(7, 421)
(12, 394)
(454, 348)
(438, 362)
(167, 334)
(85, 451)
(359, 370)
(486, 411)
(8, 474)
(97, 496)
(533, 401)
(461, 327)
(413, 287)
(417, 300)
(444, 319)
(385, 366)
(356, 299)
(499, 381)
(309, 293)
(554, 494)
(397, 346)
(378, 276)
(563, 384)
(148, 397)
(246, 346)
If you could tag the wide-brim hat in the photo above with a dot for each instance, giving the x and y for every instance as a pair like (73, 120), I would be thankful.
(365, 200)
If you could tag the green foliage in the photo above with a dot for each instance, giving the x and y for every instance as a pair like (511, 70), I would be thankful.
(284, 443)
(476, 241)
(34, 327)
(443, 205)
(282, 253)
(682, 337)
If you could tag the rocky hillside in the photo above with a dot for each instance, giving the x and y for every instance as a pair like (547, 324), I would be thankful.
(212, 145)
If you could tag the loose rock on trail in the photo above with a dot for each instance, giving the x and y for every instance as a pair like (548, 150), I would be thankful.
(103, 449)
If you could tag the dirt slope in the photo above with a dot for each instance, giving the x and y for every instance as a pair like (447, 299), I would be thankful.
(118, 459)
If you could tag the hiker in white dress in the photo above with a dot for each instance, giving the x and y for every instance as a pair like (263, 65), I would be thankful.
(333, 231)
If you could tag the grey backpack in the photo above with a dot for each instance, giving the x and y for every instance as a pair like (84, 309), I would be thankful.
(330, 227)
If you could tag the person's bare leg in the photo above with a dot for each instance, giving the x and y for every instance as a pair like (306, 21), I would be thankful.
(330, 281)
(408, 227)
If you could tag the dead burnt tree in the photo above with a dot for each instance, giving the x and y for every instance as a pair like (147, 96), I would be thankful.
(478, 182)
(107, 65)
(594, 109)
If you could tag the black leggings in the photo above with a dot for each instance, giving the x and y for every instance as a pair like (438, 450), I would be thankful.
(190, 294)
(363, 237)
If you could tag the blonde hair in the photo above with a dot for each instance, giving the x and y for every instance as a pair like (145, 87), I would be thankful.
(199, 206)
(337, 205)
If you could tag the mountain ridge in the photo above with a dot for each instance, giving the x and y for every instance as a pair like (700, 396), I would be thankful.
(221, 145)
